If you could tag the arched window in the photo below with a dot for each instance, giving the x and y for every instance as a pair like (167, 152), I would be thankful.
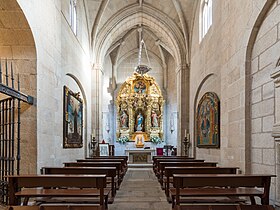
(73, 15)
(205, 20)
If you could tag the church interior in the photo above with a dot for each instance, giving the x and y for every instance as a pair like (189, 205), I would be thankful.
(144, 87)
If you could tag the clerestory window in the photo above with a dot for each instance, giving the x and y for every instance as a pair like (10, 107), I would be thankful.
(73, 15)
(205, 17)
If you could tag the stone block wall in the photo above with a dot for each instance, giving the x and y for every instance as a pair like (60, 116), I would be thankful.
(59, 53)
(264, 58)
(18, 47)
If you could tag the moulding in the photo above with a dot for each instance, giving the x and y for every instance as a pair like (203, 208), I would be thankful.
(276, 132)
(276, 76)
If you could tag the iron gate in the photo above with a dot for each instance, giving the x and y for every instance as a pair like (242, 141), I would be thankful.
(10, 100)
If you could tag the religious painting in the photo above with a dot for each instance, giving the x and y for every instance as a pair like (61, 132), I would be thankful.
(139, 87)
(73, 120)
(208, 121)
(103, 149)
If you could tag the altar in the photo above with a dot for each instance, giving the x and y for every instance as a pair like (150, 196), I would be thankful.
(139, 155)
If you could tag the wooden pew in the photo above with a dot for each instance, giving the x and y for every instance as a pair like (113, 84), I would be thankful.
(110, 157)
(118, 166)
(57, 207)
(158, 157)
(122, 160)
(82, 186)
(226, 207)
(162, 166)
(169, 171)
(157, 161)
(109, 171)
(220, 185)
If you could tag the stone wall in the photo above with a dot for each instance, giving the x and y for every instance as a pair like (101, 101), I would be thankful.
(264, 58)
(171, 104)
(59, 52)
(17, 45)
(218, 64)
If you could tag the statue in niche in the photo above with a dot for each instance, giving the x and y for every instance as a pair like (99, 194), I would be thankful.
(124, 119)
(155, 119)
(139, 122)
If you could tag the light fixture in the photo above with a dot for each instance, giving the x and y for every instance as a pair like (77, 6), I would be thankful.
(140, 68)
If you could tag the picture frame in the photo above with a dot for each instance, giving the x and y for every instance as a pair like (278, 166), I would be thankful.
(72, 119)
(103, 149)
(208, 121)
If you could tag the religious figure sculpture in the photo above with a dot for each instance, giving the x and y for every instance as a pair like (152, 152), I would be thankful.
(124, 120)
(139, 122)
(140, 96)
(154, 119)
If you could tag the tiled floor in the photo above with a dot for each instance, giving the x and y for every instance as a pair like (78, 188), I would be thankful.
(140, 190)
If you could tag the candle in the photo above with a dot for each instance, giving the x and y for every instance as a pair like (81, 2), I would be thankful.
(185, 133)
(93, 133)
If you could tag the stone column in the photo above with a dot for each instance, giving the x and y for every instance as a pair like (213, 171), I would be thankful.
(276, 130)
(96, 105)
(182, 80)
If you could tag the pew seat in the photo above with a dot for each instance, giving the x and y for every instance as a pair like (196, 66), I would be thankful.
(63, 188)
(57, 207)
(219, 185)
(226, 207)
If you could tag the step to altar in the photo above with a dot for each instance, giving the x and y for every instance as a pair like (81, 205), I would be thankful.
(140, 165)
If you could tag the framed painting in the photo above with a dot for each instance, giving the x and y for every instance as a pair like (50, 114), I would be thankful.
(72, 119)
(104, 149)
(208, 121)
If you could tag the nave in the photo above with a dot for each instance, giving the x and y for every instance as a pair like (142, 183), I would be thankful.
(140, 190)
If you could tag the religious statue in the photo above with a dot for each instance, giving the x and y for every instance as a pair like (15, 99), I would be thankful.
(139, 97)
(154, 119)
(139, 122)
(124, 120)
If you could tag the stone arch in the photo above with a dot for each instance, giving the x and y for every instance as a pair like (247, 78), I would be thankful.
(132, 16)
(85, 106)
(258, 140)
(196, 99)
(17, 45)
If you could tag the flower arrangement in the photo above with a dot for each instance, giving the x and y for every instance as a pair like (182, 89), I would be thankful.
(156, 140)
(123, 139)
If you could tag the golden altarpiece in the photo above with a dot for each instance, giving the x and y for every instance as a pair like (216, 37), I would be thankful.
(140, 109)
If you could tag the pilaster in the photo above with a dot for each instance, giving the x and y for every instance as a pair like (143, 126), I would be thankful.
(276, 129)
(182, 80)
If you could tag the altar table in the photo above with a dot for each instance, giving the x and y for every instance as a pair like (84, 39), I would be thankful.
(140, 155)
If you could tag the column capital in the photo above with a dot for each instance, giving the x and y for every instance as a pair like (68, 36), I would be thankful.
(181, 67)
(97, 67)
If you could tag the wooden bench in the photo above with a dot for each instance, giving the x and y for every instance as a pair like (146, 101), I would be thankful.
(118, 166)
(58, 186)
(109, 171)
(162, 156)
(226, 207)
(180, 159)
(162, 166)
(169, 171)
(220, 185)
(122, 160)
(56, 207)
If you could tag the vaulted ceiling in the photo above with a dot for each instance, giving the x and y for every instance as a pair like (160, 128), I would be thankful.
(117, 26)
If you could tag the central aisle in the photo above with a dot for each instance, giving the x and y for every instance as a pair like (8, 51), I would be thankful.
(140, 190)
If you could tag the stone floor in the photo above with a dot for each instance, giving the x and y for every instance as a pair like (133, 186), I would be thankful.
(140, 190)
